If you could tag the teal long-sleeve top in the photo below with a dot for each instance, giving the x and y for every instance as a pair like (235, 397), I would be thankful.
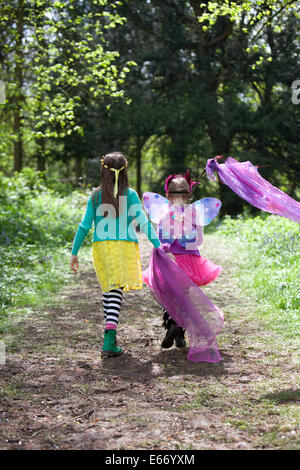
(112, 227)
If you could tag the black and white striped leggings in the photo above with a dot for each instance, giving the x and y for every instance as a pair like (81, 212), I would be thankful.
(112, 301)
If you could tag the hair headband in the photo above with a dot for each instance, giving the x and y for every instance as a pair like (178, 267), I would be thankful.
(117, 171)
(187, 176)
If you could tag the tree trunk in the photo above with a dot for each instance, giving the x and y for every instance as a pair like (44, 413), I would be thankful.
(18, 78)
(41, 160)
(78, 167)
(221, 144)
(139, 173)
(18, 143)
(138, 156)
(67, 169)
(217, 129)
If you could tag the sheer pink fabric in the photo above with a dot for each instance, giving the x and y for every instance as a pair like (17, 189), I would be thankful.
(187, 305)
(244, 179)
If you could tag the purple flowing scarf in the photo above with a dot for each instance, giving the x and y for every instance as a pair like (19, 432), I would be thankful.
(244, 179)
(187, 305)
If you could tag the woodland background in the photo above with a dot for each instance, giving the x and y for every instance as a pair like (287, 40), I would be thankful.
(169, 83)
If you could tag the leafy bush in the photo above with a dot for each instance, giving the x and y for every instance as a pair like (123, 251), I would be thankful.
(268, 248)
(36, 224)
(32, 213)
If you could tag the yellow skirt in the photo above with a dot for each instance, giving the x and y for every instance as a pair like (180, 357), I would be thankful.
(117, 264)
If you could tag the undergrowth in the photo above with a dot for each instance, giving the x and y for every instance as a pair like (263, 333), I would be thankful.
(266, 254)
(37, 228)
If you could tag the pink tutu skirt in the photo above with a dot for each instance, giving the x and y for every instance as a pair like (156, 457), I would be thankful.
(200, 270)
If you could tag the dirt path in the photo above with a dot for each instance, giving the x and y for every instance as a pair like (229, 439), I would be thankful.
(57, 393)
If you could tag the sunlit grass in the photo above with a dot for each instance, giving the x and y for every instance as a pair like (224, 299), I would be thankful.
(266, 253)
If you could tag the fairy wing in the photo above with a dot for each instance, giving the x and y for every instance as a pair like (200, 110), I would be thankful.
(206, 209)
(155, 205)
(197, 215)
(175, 225)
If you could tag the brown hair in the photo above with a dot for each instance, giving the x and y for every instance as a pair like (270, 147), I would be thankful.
(180, 184)
(107, 180)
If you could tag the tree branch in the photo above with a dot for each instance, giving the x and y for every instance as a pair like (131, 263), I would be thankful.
(271, 18)
(221, 38)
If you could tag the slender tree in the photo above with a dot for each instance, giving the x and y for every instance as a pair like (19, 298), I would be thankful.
(59, 58)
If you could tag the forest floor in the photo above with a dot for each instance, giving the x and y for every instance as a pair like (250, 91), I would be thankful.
(56, 392)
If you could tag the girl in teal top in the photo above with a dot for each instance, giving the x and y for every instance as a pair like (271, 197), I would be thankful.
(113, 207)
(114, 228)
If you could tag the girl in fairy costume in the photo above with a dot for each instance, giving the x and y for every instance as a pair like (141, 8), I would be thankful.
(180, 232)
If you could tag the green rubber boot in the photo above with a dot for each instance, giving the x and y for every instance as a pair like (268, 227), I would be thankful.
(109, 345)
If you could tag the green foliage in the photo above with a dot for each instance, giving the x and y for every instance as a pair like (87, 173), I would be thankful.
(255, 9)
(33, 213)
(210, 78)
(268, 250)
(70, 61)
(190, 103)
(37, 230)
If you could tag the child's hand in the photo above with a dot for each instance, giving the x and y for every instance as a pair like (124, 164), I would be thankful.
(74, 263)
